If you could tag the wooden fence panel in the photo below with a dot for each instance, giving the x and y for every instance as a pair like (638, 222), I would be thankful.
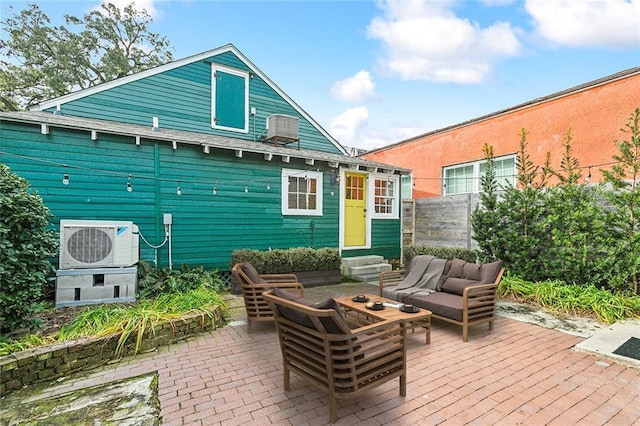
(443, 221)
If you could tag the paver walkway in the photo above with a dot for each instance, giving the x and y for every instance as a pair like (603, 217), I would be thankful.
(518, 374)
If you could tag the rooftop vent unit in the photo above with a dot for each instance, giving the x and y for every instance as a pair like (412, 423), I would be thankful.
(282, 129)
(98, 244)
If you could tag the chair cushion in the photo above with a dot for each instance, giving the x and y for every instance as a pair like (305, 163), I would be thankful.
(443, 304)
(338, 326)
(489, 272)
(252, 274)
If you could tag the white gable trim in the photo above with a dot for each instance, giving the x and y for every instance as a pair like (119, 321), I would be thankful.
(179, 63)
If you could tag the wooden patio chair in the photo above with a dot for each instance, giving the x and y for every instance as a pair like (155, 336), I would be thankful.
(253, 285)
(317, 345)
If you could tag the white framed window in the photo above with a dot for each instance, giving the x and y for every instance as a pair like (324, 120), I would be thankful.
(386, 197)
(465, 178)
(301, 192)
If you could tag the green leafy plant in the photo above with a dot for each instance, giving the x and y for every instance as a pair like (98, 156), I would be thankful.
(485, 218)
(129, 320)
(624, 219)
(558, 296)
(153, 281)
(577, 250)
(25, 247)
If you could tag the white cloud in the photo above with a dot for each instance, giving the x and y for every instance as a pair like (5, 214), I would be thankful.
(353, 129)
(357, 88)
(427, 41)
(608, 23)
(346, 127)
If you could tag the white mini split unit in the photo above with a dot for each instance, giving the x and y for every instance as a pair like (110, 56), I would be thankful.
(98, 244)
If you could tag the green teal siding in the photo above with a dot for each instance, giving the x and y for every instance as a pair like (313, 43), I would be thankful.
(181, 99)
(385, 236)
(206, 227)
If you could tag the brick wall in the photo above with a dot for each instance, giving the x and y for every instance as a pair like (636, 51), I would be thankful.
(51, 362)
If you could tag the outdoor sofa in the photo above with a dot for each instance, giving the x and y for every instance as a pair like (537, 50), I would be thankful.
(455, 291)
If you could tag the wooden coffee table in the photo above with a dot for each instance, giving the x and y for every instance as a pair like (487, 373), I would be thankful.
(362, 314)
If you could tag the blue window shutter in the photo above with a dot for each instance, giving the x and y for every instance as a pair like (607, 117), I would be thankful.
(230, 100)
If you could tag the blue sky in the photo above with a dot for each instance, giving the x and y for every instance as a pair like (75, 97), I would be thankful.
(374, 73)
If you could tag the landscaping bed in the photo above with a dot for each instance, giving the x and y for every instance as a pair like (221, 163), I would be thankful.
(50, 362)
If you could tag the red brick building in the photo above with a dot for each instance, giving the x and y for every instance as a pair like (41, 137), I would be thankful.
(450, 160)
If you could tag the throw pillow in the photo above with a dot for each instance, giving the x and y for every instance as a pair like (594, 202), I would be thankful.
(457, 268)
(471, 271)
(445, 275)
(457, 285)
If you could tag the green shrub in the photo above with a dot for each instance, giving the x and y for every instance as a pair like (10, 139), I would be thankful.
(572, 231)
(413, 250)
(153, 282)
(25, 247)
(281, 261)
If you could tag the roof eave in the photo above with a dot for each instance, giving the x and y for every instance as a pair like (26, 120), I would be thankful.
(191, 138)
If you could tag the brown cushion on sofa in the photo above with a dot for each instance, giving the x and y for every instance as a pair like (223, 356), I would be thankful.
(251, 273)
(444, 276)
(457, 268)
(457, 285)
(440, 303)
(447, 267)
(339, 326)
(489, 272)
(471, 271)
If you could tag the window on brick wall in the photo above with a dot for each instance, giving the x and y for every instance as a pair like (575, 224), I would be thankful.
(465, 178)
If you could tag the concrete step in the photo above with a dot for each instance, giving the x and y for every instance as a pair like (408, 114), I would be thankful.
(349, 262)
(370, 272)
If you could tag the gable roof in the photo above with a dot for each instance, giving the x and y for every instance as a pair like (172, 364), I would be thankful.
(206, 141)
(566, 92)
(52, 103)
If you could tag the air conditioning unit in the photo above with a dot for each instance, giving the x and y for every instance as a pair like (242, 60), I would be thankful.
(282, 127)
(98, 244)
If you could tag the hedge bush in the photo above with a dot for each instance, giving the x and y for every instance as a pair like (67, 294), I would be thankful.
(412, 250)
(282, 261)
(25, 248)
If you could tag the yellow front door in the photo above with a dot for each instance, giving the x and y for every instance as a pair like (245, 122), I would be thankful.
(355, 213)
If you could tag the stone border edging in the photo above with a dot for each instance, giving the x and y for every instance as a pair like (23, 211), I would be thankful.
(23, 368)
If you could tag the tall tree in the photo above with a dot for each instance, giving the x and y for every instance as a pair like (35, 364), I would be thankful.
(40, 61)
(624, 179)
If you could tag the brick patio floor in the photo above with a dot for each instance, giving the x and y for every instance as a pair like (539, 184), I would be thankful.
(519, 374)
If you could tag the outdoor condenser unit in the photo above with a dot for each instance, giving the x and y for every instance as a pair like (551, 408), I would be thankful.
(282, 127)
(98, 244)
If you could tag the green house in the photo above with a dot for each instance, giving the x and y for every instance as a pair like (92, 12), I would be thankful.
(205, 155)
